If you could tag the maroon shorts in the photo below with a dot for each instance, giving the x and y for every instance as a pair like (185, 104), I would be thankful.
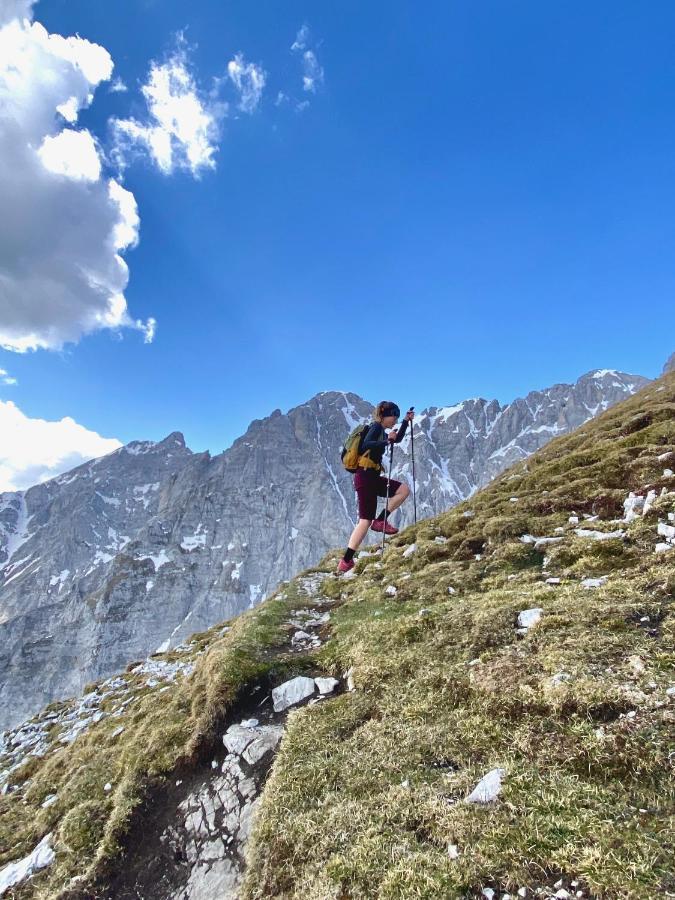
(369, 485)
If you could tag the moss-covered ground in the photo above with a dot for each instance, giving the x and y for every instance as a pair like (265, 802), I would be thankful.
(366, 794)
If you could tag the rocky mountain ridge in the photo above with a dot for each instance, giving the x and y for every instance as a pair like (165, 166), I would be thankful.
(132, 552)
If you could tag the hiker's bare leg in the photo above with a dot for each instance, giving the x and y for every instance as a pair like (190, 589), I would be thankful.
(398, 498)
(359, 533)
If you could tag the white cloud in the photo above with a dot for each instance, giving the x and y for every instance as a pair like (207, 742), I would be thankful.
(117, 86)
(301, 39)
(71, 153)
(312, 72)
(249, 80)
(34, 450)
(6, 378)
(64, 224)
(182, 125)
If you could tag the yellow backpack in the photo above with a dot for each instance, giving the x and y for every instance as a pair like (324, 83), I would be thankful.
(351, 458)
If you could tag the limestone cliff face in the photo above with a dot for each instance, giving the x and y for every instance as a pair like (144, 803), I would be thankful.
(136, 550)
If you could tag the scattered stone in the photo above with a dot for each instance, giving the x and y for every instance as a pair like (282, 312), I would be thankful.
(409, 550)
(649, 502)
(593, 582)
(667, 473)
(573, 520)
(666, 531)
(439, 539)
(326, 685)
(599, 535)
(552, 581)
(663, 548)
(48, 801)
(488, 788)
(522, 892)
(560, 678)
(248, 723)
(670, 692)
(107, 787)
(453, 851)
(488, 893)
(468, 514)
(451, 590)
(291, 692)
(636, 664)
(529, 617)
(16, 872)
(300, 636)
(390, 590)
(349, 675)
(633, 507)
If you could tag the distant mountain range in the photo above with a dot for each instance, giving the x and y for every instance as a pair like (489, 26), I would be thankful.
(132, 552)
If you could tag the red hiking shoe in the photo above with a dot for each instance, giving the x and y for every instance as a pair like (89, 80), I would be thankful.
(344, 566)
(379, 525)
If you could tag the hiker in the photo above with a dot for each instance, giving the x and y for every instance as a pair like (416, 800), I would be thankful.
(370, 484)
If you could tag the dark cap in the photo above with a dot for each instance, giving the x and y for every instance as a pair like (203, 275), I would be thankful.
(390, 409)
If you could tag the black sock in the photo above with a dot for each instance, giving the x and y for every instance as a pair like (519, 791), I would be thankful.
(381, 516)
(349, 554)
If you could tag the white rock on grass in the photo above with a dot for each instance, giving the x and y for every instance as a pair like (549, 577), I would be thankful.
(409, 550)
(663, 548)
(599, 535)
(573, 520)
(390, 590)
(649, 501)
(439, 539)
(326, 685)
(593, 582)
(529, 617)
(451, 590)
(453, 851)
(633, 507)
(291, 692)
(667, 473)
(552, 581)
(488, 788)
(16, 872)
(666, 531)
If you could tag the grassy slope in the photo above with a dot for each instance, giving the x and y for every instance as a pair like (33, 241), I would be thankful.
(440, 699)
(446, 695)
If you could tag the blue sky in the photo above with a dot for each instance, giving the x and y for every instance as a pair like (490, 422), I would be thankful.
(477, 201)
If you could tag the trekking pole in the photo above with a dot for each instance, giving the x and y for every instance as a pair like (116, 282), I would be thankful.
(386, 499)
(412, 454)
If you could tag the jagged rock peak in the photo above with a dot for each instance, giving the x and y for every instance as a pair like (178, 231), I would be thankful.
(670, 364)
(175, 439)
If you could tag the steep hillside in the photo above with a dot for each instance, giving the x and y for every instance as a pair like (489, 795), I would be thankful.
(526, 635)
(137, 550)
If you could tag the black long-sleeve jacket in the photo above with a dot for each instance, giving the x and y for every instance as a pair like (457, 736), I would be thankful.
(375, 440)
